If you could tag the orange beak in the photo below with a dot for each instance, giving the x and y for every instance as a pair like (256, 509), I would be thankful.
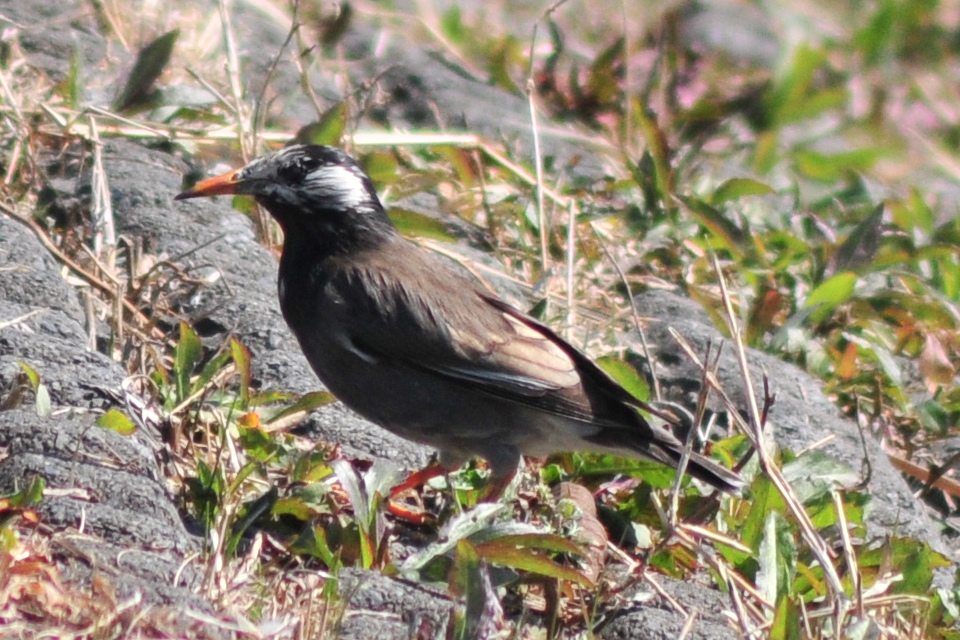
(218, 186)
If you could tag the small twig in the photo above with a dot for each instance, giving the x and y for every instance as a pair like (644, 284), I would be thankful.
(571, 256)
(76, 268)
(531, 88)
(866, 468)
(152, 127)
(222, 99)
(673, 602)
(258, 108)
(19, 319)
(647, 353)
(236, 87)
(754, 430)
(853, 569)
(101, 208)
(688, 624)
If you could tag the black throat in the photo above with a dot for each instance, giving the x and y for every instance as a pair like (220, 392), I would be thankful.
(327, 232)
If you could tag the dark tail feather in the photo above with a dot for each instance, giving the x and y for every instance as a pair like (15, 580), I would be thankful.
(705, 469)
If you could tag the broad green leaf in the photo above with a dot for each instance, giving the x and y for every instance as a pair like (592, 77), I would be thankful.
(778, 556)
(815, 473)
(314, 541)
(451, 24)
(149, 65)
(308, 402)
(31, 374)
(528, 560)
(787, 623)
(30, 495)
(918, 568)
(915, 559)
(736, 188)
(382, 168)
(766, 498)
(628, 377)
(211, 369)
(466, 582)
(353, 488)
(835, 166)
(794, 96)
(327, 130)
(723, 228)
(875, 38)
(294, 506)
(187, 354)
(411, 223)
(881, 354)
(861, 245)
(830, 294)
(653, 473)
(541, 541)
(659, 150)
(241, 358)
(768, 576)
(252, 512)
(116, 420)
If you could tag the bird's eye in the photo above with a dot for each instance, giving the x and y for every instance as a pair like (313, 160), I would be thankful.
(295, 172)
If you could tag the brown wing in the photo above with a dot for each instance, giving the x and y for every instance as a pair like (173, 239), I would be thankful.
(450, 328)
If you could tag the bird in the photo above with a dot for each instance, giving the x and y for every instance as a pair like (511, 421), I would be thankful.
(417, 347)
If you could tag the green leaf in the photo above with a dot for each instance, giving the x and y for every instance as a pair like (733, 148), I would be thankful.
(876, 38)
(628, 377)
(766, 498)
(861, 245)
(915, 559)
(411, 223)
(835, 166)
(116, 420)
(31, 374)
(211, 369)
(307, 402)
(318, 546)
(327, 130)
(251, 513)
(778, 558)
(528, 560)
(148, 67)
(30, 495)
(723, 228)
(736, 188)
(187, 354)
(830, 294)
(451, 24)
(541, 541)
(815, 473)
(466, 582)
(787, 623)
(241, 358)
(653, 473)
(793, 97)
(659, 150)
(382, 167)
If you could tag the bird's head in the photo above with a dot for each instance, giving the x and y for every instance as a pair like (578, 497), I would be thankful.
(300, 185)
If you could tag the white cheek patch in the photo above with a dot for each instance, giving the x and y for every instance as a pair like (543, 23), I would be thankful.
(338, 183)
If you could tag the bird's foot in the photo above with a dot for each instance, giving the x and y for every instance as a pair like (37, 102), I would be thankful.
(406, 512)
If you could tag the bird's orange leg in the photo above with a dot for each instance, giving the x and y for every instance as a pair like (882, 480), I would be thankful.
(414, 480)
